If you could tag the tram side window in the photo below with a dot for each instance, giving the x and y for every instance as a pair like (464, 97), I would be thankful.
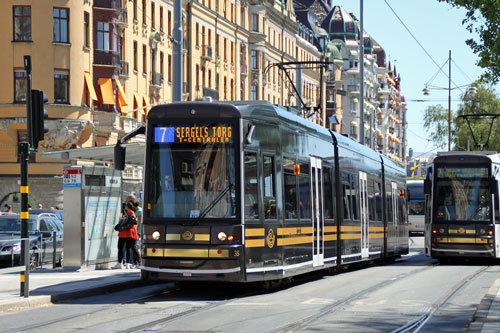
(290, 189)
(388, 191)
(346, 189)
(251, 200)
(354, 198)
(402, 206)
(328, 192)
(371, 199)
(378, 202)
(304, 191)
(269, 187)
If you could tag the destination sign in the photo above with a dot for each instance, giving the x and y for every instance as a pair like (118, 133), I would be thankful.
(462, 172)
(193, 134)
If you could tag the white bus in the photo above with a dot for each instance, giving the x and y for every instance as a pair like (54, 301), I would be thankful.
(416, 205)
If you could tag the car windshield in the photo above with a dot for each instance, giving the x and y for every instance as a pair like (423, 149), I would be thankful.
(12, 224)
(191, 169)
(416, 202)
(462, 194)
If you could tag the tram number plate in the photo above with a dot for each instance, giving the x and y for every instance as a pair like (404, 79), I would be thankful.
(186, 274)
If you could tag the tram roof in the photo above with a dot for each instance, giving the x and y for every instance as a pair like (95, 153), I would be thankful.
(477, 156)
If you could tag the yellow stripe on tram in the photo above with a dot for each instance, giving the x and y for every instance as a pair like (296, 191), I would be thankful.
(254, 232)
(254, 242)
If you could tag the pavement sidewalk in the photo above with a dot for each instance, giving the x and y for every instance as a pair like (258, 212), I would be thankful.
(54, 285)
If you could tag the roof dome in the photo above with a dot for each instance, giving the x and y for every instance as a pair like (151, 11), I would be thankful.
(340, 24)
(379, 51)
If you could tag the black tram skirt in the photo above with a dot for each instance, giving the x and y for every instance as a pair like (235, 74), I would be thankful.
(194, 269)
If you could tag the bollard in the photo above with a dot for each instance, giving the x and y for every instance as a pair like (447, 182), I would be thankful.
(54, 247)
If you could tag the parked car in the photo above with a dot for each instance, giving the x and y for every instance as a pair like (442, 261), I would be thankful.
(59, 213)
(40, 228)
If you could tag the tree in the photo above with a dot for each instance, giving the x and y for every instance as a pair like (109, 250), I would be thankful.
(436, 122)
(483, 17)
(485, 101)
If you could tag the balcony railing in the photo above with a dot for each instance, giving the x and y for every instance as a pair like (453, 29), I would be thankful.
(112, 4)
(244, 69)
(208, 92)
(156, 79)
(122, 17)
(353, 87)
(124, 68)
(104, 57)
(206, 52)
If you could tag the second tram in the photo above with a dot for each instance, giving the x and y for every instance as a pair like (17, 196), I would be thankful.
(247, 191)
(462, 205)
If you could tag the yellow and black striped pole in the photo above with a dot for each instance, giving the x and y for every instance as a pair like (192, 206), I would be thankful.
(24, 153)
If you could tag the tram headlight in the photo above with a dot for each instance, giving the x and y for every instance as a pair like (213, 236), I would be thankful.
(156, 235)
(222, 236)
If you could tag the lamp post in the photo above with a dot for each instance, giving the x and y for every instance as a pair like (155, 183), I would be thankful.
(426, 92)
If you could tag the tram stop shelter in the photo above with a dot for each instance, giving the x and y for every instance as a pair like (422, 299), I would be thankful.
(92, 198)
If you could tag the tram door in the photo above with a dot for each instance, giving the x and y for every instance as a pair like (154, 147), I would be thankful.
(318, 218)
(363, 203)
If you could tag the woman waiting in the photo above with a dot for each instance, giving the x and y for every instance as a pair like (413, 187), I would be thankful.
(127, 238)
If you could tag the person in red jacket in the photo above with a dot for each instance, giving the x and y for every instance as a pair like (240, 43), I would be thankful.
(126, 238)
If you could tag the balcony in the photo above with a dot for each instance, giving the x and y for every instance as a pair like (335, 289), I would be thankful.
(353, 88)
(124, 68)
(208, 92)
(128, 123)
(108, 4)
(257, 37)
(206, 53)
(156, 79)
(244, 69)
(122, 19)
(108, 58)
(331, 105)
(107, 122)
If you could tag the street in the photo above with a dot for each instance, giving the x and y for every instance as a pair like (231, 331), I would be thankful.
(380, 298)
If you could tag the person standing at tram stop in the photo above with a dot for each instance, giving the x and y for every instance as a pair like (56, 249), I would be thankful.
(126, 239)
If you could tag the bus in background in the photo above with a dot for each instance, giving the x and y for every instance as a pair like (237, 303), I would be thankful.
(416, 205)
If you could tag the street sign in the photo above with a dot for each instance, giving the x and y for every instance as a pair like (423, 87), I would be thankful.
(72, 178)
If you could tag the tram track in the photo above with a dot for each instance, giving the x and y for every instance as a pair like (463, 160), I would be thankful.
(339, 305)
(420, 322)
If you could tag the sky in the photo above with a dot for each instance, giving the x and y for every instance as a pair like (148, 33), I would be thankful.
(438, 28)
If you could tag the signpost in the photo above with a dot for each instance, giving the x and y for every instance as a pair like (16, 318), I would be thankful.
(35, 115)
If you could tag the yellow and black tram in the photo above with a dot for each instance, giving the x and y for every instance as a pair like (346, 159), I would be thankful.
(462, 205)
(248, 191)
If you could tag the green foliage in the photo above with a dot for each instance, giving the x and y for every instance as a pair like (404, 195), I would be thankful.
(485, 101)
(436, 122)
(483, 17)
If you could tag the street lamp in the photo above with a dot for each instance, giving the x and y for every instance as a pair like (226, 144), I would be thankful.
(426, 92)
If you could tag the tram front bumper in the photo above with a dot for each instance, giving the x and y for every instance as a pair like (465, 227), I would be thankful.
(479, 247)
(202, 263)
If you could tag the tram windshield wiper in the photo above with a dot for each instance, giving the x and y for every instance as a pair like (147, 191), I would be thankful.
(213, 203)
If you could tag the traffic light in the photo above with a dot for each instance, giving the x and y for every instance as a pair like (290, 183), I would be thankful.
(38, 116)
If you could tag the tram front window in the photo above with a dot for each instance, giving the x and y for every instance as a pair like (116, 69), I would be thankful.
(462, 194)
(192, 171)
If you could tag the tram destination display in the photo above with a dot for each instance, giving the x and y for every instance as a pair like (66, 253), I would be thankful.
(219, 133)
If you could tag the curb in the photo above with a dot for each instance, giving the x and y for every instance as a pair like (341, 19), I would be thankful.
(44, 300)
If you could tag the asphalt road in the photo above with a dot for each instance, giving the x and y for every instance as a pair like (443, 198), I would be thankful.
(381, 298)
